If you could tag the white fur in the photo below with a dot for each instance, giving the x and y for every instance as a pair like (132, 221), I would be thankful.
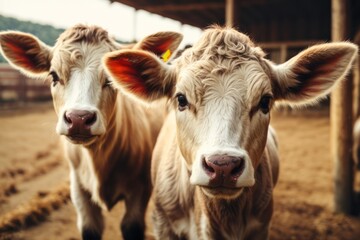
(221, 129)
(199, 177)
(87, 212)
(83, 90)
(224, 77)
(203, 226)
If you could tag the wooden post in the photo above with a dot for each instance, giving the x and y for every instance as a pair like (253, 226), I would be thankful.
(22, 91)
(230, 13)
(135, 25)
(342, 120)
(283, 53)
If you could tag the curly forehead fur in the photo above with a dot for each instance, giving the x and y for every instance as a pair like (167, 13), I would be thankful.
(74, 43)
(84, 33)
(223, 48)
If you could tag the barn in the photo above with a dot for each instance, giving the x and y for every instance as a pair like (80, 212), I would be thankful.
(317, 194)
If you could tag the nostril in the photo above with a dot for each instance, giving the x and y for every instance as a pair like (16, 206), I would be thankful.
(238, 169)
(208, 169)
(67, 118)
(90, 119)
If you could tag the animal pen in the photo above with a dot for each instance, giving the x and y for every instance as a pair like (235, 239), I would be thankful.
(16, 89)
(282, 28)
(34, 188)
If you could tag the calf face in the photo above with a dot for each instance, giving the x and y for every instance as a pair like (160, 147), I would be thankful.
(83, 97)
(222, 90)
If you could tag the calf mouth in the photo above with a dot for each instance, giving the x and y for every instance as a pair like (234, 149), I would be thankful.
(81, 139)
(222, 192)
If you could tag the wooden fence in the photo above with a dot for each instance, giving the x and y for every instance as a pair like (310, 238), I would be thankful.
(17, 89)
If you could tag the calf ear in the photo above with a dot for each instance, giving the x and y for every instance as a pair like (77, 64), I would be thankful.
(160, 42)
(312, 73)
(140, 73)
(25, 52)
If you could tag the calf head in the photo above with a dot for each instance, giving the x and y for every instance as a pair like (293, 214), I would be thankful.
(83, 97)
(222, 90)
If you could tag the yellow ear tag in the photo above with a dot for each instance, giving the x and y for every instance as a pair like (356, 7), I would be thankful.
(165, 56)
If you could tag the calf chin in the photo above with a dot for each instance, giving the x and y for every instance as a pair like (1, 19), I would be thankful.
(81, 141)
(222, 193)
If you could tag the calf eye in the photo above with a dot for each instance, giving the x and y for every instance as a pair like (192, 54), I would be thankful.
(182, 101)
(264, 104)
(107, 83)
(54, 78)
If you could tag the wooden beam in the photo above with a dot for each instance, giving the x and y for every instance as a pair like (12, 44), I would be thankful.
(230, 13)
(287, 44)
(341, 120)
(183, 7)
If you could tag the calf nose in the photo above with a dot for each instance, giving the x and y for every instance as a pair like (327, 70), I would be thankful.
(79, 122)
(223, 170)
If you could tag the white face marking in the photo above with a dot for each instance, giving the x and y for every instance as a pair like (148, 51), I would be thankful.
(83, 89)
(222, 124)
(199, 177)
(82, 93)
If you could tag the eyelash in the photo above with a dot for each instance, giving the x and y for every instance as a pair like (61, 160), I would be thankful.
(182, 101)
(264, 104)
(107, 83)
(55, 78)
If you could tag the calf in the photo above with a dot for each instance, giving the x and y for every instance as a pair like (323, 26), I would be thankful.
(215, 163)
(109, 137)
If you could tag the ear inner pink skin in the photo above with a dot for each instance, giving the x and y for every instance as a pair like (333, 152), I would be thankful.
(123, 68)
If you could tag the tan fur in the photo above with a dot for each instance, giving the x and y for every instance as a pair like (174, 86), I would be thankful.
(224, 78)
(175, 198)
(116, 164)
(248, 215)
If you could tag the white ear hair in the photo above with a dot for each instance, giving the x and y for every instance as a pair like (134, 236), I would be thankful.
(312, 73)
(160, 43)
(26, 53)
(140, 73)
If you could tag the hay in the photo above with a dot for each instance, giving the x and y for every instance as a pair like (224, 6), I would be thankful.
(35, 211)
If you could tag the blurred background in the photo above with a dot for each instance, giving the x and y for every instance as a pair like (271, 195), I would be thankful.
(317, 194)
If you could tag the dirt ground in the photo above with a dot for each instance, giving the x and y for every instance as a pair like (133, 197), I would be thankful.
(34, 194)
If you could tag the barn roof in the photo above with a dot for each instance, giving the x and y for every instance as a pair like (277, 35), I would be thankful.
(264, 20)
